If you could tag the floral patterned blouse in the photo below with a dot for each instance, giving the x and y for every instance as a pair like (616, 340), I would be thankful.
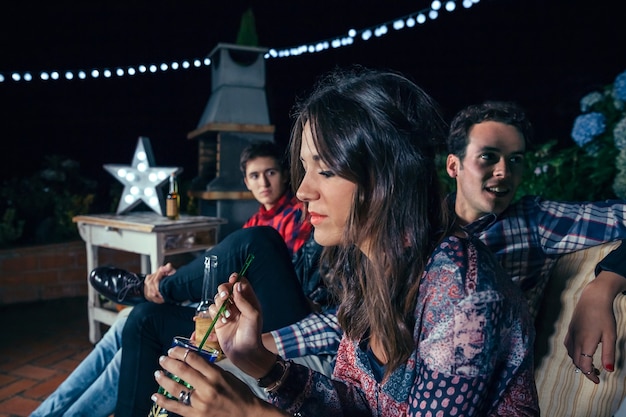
(473, 351)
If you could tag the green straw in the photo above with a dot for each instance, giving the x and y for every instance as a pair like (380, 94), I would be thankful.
(244, 268)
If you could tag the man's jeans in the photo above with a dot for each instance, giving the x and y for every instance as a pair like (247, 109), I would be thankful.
(91, 389)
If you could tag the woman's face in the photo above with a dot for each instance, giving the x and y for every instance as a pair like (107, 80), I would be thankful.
(329, 196)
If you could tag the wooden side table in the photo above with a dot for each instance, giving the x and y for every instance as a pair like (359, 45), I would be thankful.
(146, 233)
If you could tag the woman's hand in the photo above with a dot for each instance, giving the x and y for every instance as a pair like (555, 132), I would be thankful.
(215, 393)
(592, 323)
(239, 327)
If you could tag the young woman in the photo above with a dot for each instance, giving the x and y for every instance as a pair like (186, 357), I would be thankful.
(432, 324)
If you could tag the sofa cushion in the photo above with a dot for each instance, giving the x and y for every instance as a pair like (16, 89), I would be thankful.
(562, 392)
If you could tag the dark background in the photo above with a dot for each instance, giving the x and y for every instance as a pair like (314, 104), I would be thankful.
(544, 54)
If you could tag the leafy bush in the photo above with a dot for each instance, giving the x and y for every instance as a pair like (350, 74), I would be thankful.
(39, 209)
(569, 173)
(600, 130)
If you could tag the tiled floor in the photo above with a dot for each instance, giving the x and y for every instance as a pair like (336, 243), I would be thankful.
(41, 344)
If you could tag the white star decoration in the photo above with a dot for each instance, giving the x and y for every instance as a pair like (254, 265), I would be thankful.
(142, 181)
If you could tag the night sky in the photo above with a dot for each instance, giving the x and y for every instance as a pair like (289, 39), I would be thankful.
(544, 54)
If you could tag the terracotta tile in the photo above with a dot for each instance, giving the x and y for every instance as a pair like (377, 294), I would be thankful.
(66, 365)
(6, 379)
(52, 357)
(18, 406)
(16, 387)
(33, 372)
(42, 390)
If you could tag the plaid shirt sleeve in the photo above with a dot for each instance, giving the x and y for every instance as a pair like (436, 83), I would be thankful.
(316, 334)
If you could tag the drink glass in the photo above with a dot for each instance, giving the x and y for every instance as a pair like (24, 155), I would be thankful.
(208, 353)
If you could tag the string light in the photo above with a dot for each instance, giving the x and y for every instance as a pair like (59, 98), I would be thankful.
(402, 23)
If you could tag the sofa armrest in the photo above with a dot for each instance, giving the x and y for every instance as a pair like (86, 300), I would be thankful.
(562, 392)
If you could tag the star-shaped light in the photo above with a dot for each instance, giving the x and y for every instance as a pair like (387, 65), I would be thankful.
(142, 181)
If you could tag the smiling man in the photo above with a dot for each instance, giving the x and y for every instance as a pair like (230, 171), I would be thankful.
(486, 147)
(489, 170)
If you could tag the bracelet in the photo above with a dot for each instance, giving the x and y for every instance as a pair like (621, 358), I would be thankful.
(276, 376)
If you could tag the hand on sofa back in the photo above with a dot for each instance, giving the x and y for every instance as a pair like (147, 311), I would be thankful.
(562, 392)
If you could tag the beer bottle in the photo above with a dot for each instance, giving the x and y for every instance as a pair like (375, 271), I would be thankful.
(172, 205)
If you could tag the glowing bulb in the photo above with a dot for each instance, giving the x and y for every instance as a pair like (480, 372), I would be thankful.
(134, 190)
(142, 166)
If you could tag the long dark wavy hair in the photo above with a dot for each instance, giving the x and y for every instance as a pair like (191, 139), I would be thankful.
(380, 131)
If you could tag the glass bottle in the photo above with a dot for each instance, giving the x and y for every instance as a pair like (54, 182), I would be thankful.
(172, 204)
(209, 287)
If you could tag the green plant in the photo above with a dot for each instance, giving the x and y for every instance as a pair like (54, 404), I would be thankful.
(39, 209)
(568, 173)
(600, 130)
(10, 229)
(247, 34)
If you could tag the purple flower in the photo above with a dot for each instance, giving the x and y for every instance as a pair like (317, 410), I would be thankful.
(619, 86)
(588, 126)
